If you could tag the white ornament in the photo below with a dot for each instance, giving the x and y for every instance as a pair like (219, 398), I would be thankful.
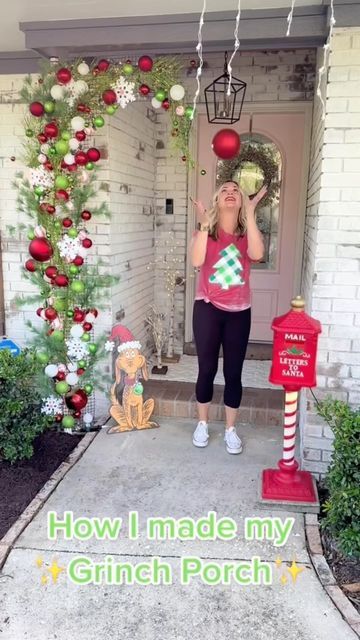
(124, 91)
(109, 346)
(90, 317)
(42, 158)
(88, 418)
(82, 234)
(45, 148)
(40, 232)
(77, 349)
(83, 69)
(77, 123)
(76, 331)
(177, 92)
(70, 206)
(69, 247)
(74, 144)
(180, 110)
(52, 406)
(57, 92)
(80, 87)
(62, 367)
(42, 315)
(69, 158)
(156, 103)
(84, 177)
(72, 378)
(56, 324)
(72, 366)
(51, 370)
(89, 131)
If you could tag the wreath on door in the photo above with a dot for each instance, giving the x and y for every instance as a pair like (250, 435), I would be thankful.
(263, 157)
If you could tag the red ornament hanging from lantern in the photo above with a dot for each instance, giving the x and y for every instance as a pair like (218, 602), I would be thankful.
(51, 130)
(93, 154)
(226, 144)
(76, 400)
(30, 266)
(37, 109)
(109, 96)
(40, 249)
(63, 75)
(145, 64)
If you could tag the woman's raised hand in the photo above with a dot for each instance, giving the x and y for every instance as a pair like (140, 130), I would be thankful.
(201, 213)
(257, 197)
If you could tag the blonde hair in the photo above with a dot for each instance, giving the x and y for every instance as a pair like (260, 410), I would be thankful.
(214, 213)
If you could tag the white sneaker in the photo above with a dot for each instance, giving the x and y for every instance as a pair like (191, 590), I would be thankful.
(201, 435)
(232, 441)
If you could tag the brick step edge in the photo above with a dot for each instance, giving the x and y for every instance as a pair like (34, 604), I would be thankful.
(188, 409)
(326, 576)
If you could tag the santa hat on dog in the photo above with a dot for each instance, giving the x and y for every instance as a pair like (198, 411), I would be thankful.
(126, 338)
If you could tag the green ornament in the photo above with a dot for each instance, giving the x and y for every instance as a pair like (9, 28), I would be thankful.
(57, 225)
(62, 147)
(61, 182)
(85, 337)
(70, 313)
(31, 235)
(77, 286)
(176, 123)
(52, 151)
(73, 269)
(62, 387)
(59, 304)
(92, 347)
(42, 357)
(82, 364)
(138, 389)
(110, 109)
(68, 422)
(88, 389)
(89, 166)
(99, 121)
(39, 190)
(65, 135)
(49, 106)
(57, 335)
(127, 69)
(160, 95)
(29, 133)
(72, 233)
(189, 112)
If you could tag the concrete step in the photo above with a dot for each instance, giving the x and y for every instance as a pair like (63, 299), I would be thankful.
(177, 400)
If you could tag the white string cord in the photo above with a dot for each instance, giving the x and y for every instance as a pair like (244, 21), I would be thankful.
(236, 46)
(324, 66)
(290, 17)
(199, 50)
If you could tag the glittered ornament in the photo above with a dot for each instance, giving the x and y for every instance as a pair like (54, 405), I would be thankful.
(77, 286)
(226, 144)
(99, 122)
(51, 130)
(86, 215)
(144, 89)
(109, 96)
(93, 154)
(37, 109)
(30, 266)
(76, 400)
(52, 151)
(81, 107)
(103, 65)
(145, 64)
(63, 75)
(61, 280)
(40, 249)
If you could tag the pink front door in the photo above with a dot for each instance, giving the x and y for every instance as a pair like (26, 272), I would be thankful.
(273, 281)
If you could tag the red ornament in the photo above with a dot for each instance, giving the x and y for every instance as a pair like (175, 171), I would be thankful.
(165, 104)
(61, 194)
(145, 64)
(42, 138)
(39, 311)
(144, 90)
(93, 154)
(76, 400)
(40, 249)
(77, 414)
(226, 144)
(63, 75)
(51, 130)
(37, 109)
(50, 209)
(61, 280)
(67, 223)
(86, 215)
(79, 316)
(109, 96)
(50, 314)
(87, 243)
(87, 326)
(59, 417)
(94, 312)
(103, 65)
(81, 107)
(48, 166)
(80, 135)
(78, 261)
(81, 158)
(60, 376)
(72, 167)
(30, 266)
(51, 272)
(80, 371)
(43, 207)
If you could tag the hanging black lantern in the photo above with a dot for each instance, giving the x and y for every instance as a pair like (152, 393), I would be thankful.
(222, 106)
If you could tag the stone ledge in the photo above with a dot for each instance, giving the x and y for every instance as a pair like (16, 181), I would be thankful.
(7, 542)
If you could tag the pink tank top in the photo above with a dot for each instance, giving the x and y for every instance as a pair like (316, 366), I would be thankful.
(224, 277)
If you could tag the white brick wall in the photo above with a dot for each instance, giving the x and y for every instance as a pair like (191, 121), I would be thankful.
(331, 271)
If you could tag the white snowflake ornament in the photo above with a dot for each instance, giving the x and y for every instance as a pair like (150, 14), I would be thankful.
(76, 349)
(52, 406)
(41, 177)
(124, 91)
(109, 346)
(69, 247)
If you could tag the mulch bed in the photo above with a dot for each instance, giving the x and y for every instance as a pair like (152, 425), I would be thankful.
(20, 482)
(346, 570)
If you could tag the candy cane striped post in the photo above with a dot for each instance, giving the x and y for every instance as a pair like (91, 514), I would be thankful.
(291, 402)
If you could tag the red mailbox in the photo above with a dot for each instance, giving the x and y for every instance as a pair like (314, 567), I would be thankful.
(293, 366)
(295, 348)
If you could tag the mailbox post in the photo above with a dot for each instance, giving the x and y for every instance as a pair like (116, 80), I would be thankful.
(293, 367)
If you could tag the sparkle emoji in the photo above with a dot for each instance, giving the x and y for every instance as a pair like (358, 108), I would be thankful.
(294, 570)
(55, 570)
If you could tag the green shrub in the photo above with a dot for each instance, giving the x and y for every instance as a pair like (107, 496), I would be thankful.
(21, 419)
(343, 478)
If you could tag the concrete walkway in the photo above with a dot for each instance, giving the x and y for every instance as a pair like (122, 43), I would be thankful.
(159, 473)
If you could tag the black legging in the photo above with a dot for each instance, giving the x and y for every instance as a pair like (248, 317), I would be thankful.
(213, 327)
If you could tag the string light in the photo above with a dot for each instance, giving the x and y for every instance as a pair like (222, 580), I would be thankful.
(199, 50)
(236, 46)
(290, 17)
(323, 68)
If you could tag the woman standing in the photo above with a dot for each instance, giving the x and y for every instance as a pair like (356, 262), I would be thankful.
(226, 241)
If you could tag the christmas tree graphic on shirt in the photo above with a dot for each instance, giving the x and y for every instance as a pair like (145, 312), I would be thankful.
(228, 268)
